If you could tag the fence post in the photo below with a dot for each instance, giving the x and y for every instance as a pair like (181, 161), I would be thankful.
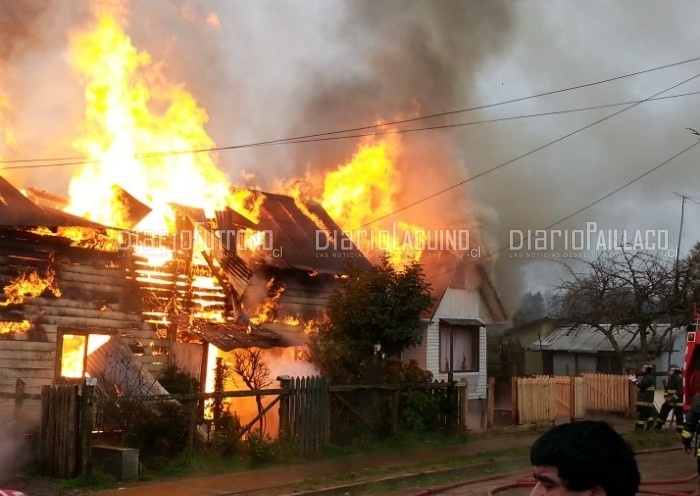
(395, 410)
(86, 414)
(490, 402)
(462, 394)
(572, 398)
(194, 408)
(45, 440)
(284, 381)
(514, 399)
(19, 399)
(631, 398)
(326, 411)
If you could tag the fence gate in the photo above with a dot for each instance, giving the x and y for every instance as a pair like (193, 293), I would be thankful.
(59, 440)
(544, 398)
(608, 393)
(304, 413)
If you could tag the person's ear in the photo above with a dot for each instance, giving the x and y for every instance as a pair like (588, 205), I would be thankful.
(598, 491)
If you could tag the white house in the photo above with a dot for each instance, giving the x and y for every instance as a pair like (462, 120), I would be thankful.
(454, 339)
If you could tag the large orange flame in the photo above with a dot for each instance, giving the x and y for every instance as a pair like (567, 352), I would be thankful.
(76, 349)
(30, 284)
(6, 136)
(361, 191)
(268, 310)
(133, 109)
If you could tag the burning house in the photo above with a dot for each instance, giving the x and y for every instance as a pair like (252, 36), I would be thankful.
(154, 258)
(82, 299)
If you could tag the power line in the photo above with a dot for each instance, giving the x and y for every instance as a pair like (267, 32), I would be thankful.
(576, 212)
(60, 163)
(498, 119)
(526, 154)
(72, 160)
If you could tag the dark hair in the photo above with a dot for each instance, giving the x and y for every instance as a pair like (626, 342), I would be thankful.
(586, 454)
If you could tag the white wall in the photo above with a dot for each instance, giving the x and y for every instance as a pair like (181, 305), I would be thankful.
(455, 304)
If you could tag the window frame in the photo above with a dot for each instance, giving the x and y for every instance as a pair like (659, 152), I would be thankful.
(62, 331)
(475, 332)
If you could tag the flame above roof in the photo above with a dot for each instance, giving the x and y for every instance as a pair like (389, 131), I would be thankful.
(16, 210)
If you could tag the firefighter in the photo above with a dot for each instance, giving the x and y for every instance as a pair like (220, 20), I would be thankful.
(645, 399)
(690, 428)
(673, 396)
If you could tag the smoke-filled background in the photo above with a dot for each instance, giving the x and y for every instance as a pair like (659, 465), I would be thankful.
(267, 70)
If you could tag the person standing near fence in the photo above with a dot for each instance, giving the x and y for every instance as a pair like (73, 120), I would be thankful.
(587, 457)
(644, 405)
(673, 387)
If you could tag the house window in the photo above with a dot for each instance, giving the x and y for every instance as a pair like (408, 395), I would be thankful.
(75, 347)
(462, 344)
(608, 364)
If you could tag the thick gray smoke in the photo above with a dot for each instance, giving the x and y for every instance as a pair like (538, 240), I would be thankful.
(15, 452)
(266, 70)
(404, 59)
(42, 101)
(22, 28)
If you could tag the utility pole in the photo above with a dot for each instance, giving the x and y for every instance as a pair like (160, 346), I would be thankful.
(678, 247)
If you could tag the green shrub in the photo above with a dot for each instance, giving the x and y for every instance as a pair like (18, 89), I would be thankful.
(226, 438)
(260, 449)
(177, 381)
(160, 430)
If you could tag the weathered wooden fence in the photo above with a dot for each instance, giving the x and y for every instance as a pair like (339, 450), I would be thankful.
(303, 413)
(379, 409)
(308, 410)
(59, 440)
(544, 398)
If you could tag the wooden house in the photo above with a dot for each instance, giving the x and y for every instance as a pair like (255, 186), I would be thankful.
(79, 299)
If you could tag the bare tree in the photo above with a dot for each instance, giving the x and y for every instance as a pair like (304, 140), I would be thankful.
(249, 365)
(623, 294)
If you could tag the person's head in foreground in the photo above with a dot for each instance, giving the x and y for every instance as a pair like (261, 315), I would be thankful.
(584, 458)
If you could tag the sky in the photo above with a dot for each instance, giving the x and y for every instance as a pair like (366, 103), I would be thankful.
(267, 70)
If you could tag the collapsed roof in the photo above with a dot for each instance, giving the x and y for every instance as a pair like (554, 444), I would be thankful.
(16, 210)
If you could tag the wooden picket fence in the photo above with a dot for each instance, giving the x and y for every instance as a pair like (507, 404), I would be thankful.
(544, 398)
(303, 413)
(607, 393)
(535, 400)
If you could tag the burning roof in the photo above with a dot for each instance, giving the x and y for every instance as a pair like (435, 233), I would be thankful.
(229, 336)
(16, 210)
(309, 241)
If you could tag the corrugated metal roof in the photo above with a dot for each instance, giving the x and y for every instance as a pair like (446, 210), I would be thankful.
(16, 210)
(229, 336)
(230, 219)
(301, 241)
(587, 339)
